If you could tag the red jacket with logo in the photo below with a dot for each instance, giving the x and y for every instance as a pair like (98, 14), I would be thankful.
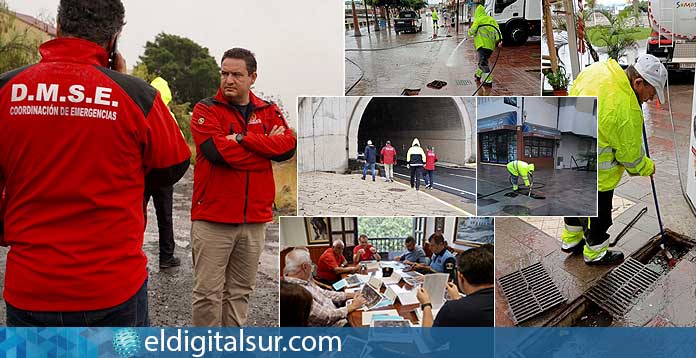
(79, 143)
(430, 159)
(388, 155)
(233, 182)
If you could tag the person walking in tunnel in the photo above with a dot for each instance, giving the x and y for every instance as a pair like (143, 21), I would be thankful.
(415, 157)
(486, 33)
(430, 160)
(388, 154)
(518, 168)
(370, 159)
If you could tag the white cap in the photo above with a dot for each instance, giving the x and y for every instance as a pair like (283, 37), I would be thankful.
(369, 142)
(654, 72)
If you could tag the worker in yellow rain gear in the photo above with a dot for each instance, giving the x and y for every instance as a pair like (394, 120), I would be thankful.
(620, 94)
(518, 168)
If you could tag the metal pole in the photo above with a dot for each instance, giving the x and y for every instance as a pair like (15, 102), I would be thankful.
(456, 16)
(367, 17)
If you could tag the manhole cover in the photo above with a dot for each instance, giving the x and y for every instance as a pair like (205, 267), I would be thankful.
(517, 210)
(617, 290)
(410, 92)
(529, 292)
(511, 195)
(396, 189)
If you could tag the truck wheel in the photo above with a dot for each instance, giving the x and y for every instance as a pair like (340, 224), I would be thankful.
(516, 33)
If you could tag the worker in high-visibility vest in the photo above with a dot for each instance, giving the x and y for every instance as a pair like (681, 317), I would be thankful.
(620, 95)
(518, 168)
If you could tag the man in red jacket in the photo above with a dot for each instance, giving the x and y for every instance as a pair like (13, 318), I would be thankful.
(237, 135)
(80, 144)
(388, 159)
(430, 160)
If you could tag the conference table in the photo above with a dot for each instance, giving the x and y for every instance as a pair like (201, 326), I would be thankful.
(355, 318)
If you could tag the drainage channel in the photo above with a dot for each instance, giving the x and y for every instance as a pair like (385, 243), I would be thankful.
(616, 293)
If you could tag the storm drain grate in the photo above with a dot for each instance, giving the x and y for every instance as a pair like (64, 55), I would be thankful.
(462, 82)
(616, 292)
(529, 292)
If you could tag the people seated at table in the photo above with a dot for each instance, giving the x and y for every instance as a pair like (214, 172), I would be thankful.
(442, 259)
(414, 254)
(365, 251)
(325, 310)
(475, 277)
(295, 305)
(332, 264)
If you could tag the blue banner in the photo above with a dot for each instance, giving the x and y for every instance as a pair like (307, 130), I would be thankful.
(347, 342)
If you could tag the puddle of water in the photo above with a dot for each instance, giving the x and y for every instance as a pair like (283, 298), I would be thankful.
(517, 210)
(396, 189)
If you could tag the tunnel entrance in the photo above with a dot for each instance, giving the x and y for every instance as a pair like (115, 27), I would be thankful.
(435, 121)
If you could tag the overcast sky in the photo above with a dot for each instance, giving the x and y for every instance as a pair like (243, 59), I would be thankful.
(299, 53)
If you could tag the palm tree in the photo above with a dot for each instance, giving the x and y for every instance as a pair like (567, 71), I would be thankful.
(356, 24)
(617, 36)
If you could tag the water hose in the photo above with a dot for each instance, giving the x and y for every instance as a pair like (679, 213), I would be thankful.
(496, 58)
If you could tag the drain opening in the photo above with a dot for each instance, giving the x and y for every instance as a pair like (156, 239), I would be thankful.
(396, 189)
(517, 210)
(410, 92)
(463, 82)
(529, 292)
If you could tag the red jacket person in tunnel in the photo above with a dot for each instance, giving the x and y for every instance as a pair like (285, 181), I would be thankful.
(238, 135)
(80, 143)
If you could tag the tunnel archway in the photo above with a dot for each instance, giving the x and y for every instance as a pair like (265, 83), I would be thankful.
(442, 122)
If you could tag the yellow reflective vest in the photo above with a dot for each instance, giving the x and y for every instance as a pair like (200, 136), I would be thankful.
(620, 123)
(520, 168)
(483, 30)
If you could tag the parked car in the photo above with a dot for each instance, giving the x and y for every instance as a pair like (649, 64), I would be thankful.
(408, 21)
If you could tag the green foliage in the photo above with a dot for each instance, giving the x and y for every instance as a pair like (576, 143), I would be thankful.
(140, 70)
(385, 227)
(183, 118)
(188, 67)
(558, 80)
(619, 36)
(16, 48)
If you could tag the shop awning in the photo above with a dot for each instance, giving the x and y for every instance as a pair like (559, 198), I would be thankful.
(507, 120)
(534, 130)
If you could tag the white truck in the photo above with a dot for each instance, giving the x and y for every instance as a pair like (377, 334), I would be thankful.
(673, 39)
(518, 19)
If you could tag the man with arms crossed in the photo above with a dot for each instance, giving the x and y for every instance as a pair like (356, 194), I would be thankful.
(237, 135)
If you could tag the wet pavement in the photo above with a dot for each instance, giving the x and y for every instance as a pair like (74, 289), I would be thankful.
(385, 63)
(670, 302)
(454, 180)
(169, 290)
(562, 192)
(332, 194)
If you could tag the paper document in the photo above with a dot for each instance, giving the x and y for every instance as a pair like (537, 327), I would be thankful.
(367, 316)
(435, 284)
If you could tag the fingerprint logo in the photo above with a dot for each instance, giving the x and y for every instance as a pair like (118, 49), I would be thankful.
(126, 342)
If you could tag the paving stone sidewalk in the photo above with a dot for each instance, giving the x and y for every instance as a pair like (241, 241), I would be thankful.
(347, 194)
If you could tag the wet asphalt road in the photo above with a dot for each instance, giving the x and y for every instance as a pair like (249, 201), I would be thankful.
(457, 181)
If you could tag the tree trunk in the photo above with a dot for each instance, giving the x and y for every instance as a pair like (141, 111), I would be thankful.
(356, 24)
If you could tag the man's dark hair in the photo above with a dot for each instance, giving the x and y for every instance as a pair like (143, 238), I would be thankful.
(361, 236)
(94, 20)
(476, 265)
(489, 247)
(295, 305)
(241, 54)
(632, 74)
(410, 239)
(437, 238)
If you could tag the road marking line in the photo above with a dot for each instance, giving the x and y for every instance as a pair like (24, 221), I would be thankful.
(442, 185)
(439, 200)
(463, 176)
